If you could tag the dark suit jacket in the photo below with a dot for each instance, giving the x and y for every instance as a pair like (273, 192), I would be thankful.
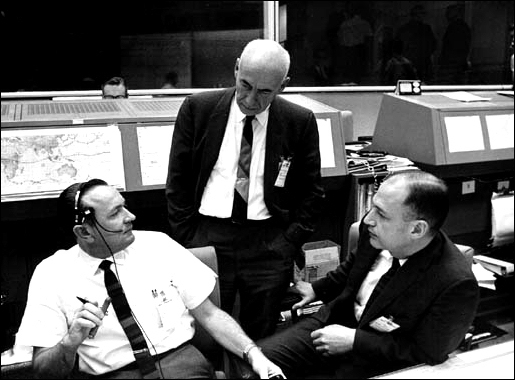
(433, 297)
(291, 132)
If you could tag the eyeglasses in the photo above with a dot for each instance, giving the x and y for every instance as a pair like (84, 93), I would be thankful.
(114, 97)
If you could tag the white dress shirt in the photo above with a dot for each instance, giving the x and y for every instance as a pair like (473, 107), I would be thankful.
(381, 265)
(218, 196)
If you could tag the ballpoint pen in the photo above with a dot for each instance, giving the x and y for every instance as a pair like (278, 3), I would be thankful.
(104, 308)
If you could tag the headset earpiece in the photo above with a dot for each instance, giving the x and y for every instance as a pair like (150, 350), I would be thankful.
(81, 216)
(88, 211)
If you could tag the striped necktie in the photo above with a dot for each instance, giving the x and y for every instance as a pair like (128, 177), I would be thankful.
(142, 355)
(241, 188)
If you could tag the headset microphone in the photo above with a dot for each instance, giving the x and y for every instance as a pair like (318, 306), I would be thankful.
(89, 211)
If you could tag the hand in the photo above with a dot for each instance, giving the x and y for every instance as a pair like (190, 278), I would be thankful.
(88, 316)
(262, 366)
(333, 339)
(283, 247)
(305, 289)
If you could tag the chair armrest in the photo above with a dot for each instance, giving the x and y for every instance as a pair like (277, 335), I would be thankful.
(22, 370)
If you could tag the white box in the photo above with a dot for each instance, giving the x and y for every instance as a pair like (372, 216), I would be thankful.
(320, 257)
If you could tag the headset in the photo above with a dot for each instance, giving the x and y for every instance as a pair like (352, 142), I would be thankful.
(81, 215)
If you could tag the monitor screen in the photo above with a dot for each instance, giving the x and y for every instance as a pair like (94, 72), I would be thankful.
(464, 133)
(500, 131)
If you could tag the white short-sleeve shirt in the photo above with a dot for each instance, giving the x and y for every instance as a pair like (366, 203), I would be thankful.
(161, 280)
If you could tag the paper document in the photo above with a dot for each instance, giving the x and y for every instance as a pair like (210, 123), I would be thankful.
(506, 93)
(464, 96)
(485, 278)
(154, 144)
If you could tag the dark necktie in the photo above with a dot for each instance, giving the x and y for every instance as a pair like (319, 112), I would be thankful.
(144, 360)
(385, 278)
(241, 188)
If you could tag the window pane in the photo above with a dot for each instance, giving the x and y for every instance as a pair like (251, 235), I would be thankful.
(79, 45)
(378, 42)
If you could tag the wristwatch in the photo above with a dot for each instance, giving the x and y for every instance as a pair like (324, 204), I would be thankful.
(247, 349)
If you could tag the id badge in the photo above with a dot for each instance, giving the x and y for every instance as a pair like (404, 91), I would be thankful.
(383, 324)
(168, 304)
(284, 166)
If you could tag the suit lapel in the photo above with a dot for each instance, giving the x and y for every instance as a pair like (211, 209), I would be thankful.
(405, 277)
(360, 268)
(273, 148)
(362, 263)
(214, 136)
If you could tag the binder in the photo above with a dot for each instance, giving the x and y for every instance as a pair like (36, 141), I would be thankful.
(499, 267)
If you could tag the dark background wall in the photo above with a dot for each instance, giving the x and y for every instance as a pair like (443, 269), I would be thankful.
(77, 45)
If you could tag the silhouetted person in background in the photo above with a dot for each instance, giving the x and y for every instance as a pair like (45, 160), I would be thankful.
(334, 19)
(322, 67)
(419, 43)
(383, 40)
(115, 88)
(88, 83)
(354, 37)
(398, 67)
(454, 62)
(171, 80)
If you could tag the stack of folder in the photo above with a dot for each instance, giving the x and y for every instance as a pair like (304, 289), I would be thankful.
(499, 267)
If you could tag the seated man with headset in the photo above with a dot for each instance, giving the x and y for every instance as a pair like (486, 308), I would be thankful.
(144, 326)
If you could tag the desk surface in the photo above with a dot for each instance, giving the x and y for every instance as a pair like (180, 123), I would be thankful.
(492, 362)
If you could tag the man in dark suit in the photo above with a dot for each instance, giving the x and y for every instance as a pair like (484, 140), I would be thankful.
(421, 314)
(256, 252)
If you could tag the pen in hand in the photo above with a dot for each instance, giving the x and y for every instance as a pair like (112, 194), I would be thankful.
(82, 300)
(104, 308)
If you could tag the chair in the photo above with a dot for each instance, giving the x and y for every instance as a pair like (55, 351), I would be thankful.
(208, 256)
(202, 340)
(21, 370)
